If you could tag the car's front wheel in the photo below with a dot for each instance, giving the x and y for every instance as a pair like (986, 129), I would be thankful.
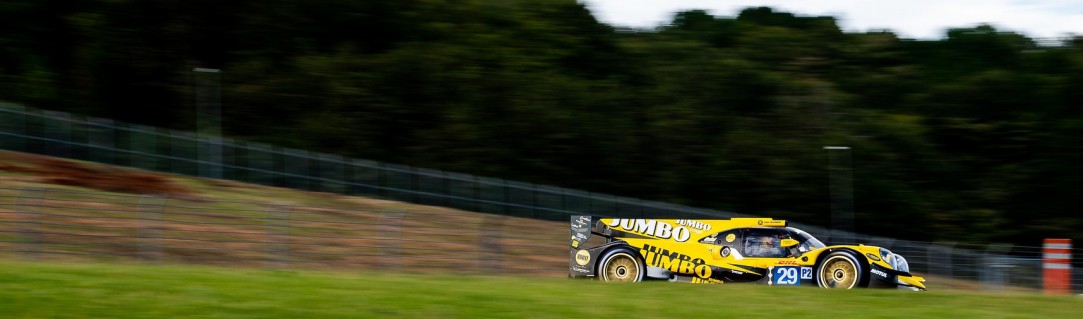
(840, 270)
(621, 265)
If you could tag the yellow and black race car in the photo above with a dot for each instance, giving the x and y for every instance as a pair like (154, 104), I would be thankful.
(760, 250)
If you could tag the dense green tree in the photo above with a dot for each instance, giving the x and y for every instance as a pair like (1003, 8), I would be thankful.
(973, 137)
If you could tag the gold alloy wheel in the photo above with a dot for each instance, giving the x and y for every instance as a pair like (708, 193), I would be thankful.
(838, 272)
(621, 267)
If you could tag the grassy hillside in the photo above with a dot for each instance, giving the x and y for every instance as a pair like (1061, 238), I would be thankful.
(62, 210)
(58, 209)
(35, 290)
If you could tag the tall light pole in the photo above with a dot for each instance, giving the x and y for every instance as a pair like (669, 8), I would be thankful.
(841, 187)
(209, 121)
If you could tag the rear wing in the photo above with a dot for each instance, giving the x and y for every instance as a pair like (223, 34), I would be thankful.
(583, 257)
(582, 229)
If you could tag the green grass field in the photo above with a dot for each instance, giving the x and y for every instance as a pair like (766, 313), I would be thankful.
(40, 290)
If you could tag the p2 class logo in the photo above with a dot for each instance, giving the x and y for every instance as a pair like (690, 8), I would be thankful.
(806, 273)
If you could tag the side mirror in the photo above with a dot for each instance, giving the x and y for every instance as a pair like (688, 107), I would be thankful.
(787, 243)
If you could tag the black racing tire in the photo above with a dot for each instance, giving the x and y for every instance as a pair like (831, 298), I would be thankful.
(621, 265)
(841, 270)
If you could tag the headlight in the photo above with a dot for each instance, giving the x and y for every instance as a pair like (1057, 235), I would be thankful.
(887, 257)
(901, 264)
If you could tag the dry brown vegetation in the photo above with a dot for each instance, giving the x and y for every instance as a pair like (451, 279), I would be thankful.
(51, 170)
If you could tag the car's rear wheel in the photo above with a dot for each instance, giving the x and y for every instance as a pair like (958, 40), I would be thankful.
(840, 270)
(621, 265)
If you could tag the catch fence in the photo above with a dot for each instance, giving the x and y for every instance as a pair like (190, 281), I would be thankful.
(521, 227)
(110, 142)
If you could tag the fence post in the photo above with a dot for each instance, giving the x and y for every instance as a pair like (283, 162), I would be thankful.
(57, 126)
(210, 156)
(389, 249)
(415, 182)
(278, 167)
(300, 169)
(477, 195)
(278, 234)
(32, 224)
(101, 141)
(489, 235)
(122, 140)
(447, 188)
(564, 199)
(208, 95)
(507, 197)
(534, 200)
(942, 264)
(992, 273)
(143, 147)
(150, 229)
(162, 146)
(13, 118)
(590, 204)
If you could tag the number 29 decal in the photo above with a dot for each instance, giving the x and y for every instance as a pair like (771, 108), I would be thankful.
(790, 276)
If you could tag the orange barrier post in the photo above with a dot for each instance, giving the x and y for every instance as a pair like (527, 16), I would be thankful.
(1057, 266)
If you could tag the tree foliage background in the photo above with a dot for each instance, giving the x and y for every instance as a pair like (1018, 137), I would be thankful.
(974, 137)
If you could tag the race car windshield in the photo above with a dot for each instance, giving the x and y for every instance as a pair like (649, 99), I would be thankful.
(806, 241)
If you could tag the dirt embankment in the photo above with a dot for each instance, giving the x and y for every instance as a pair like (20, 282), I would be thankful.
(51, 170)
